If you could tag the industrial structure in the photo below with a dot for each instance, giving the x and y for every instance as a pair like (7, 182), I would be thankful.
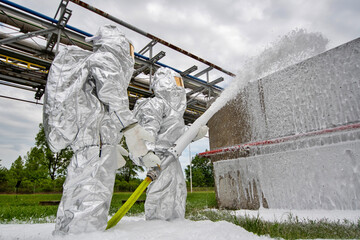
(25, 63)
(291, 140)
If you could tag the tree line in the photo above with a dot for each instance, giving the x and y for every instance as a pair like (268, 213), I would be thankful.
(41, 170)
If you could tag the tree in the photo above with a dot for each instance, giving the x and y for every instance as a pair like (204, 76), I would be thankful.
(35, 167)
(3, 178)
(202, 172)
(16, 173)
(129, 171)
(56, 163)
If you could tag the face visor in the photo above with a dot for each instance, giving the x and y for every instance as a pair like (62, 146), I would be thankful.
(179, 81)
(132, 52)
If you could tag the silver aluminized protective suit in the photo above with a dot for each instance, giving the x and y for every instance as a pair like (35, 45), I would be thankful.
(162, 115)
(97, 108)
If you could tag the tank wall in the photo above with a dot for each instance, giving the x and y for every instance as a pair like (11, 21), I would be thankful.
(320, 93)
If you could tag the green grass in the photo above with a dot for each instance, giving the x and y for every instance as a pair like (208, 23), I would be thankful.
(116, 203)
(202, 189)
(302, 230)
(24, 208)
(291, 229)
(197, 201)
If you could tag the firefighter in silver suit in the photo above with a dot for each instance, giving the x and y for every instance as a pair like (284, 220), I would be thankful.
(162, 116)
(100, 117)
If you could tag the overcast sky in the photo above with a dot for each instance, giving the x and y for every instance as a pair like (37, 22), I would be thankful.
(224, 32)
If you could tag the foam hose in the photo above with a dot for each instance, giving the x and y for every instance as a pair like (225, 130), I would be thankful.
(175, 151)
(129, 203)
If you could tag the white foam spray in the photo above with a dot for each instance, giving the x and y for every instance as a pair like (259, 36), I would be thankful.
(296, 46)
(290, 49)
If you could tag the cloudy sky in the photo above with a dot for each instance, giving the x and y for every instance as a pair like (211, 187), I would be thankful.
(224, 32)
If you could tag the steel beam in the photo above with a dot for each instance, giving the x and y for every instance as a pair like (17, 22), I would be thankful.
(17, 86)
(29, 23)
(20, 81)
(18, 99)
(206, 70)
(157, 57)
(212, 83)
(188, 71)
(147, 47)
(198, 89)
(25, 57)
(27, 35)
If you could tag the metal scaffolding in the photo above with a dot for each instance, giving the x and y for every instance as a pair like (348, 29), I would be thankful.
(25, 63)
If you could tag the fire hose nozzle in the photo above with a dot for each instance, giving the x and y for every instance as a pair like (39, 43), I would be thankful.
(153, 173)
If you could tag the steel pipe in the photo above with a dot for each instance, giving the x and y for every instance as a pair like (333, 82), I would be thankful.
(40, 15)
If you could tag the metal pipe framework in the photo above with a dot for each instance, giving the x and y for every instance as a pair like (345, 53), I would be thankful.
(42, 16)
(119, 21)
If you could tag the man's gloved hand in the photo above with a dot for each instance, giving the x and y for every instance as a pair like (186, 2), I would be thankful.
(135, 137)
(120, 152)
(201, 133)
(151, 160)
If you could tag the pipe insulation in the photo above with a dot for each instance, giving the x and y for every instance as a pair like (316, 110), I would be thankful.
(42, 16)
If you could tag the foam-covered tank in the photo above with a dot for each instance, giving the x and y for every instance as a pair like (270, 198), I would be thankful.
(292, 139)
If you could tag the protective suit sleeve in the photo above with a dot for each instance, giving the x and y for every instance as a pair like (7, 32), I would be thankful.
(149, 113)
(111, 87)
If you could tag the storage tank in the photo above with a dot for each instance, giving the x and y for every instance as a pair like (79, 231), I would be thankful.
(291, 140)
